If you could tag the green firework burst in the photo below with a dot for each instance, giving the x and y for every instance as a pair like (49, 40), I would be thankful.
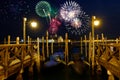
(43, 8)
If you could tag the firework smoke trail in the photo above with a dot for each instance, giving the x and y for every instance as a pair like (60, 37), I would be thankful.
(46, 16)
(49, 16)
(44, 12)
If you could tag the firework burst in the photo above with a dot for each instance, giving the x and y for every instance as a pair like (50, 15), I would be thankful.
(75, 19)
(80, 25)
(69, 11)
(54, 26)
(43, 8)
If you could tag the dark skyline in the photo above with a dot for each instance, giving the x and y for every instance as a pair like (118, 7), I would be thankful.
(13, 11)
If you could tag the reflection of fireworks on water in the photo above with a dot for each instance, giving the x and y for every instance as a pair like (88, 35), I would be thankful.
(75, 19)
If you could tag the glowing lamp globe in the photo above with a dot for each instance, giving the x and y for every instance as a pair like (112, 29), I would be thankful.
(34, 24)
(96, 22)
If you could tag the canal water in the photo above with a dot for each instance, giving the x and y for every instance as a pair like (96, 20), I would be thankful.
(60, 72)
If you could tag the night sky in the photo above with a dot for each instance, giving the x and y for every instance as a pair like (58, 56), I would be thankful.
(13, 11)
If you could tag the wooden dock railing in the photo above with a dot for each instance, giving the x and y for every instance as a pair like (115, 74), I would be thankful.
(15, 57)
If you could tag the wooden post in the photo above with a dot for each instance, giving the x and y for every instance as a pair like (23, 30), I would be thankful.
(29, 42)
(30, 73)
(19, 76)
(17, 40)
(66, 48)
(47, 44)
(28, 39)
(90, 48)
(97, 39)
(6, 55)
(85, 46)
(117, 41)
(52, 46)
(110, 75)
(93, 45)
(43, 53)
(98, 68)
(102, 38)
(38, 55)
(8, 39)
(81, 47)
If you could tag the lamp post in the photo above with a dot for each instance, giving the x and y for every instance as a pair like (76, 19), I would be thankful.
(33, 24)
(24, 29)
(95, 22)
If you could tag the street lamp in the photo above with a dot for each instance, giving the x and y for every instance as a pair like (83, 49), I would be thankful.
(95, 22)
(33, 24)
(24, 29)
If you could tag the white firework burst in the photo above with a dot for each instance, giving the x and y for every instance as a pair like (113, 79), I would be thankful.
(69, 11)
(76, 23)
(74, 18)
